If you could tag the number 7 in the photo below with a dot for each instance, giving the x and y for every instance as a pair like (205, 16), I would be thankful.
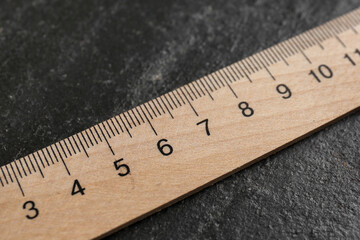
(206, 121)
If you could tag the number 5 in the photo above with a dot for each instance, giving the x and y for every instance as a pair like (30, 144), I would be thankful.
(118, 166)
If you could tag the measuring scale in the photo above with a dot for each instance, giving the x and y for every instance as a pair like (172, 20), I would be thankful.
(138, 162)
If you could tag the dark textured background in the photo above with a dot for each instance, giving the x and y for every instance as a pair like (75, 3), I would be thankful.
(66, 65)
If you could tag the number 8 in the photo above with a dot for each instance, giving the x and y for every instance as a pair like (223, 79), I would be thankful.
(246, 110)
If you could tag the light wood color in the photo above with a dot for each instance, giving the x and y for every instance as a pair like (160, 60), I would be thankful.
(155, 181)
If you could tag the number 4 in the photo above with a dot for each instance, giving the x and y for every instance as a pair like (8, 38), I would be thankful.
(206, 121)
(77, 188)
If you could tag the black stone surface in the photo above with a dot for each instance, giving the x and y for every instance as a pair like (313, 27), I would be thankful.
(66, 65)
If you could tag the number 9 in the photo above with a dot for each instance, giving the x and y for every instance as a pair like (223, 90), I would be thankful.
(285, 90)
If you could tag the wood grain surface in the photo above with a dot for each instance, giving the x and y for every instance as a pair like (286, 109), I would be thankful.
(123, 169)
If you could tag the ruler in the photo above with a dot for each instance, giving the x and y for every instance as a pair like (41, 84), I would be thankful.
(140, 161)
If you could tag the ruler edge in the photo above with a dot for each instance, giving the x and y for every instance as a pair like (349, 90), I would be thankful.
(354, 15)
(228, 174)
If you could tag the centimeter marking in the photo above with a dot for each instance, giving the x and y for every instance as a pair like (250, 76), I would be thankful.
(158, 116)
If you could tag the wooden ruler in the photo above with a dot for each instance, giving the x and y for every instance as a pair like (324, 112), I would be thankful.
(125, 168)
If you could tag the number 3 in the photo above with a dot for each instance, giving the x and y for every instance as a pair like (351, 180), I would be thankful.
(32, 208)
